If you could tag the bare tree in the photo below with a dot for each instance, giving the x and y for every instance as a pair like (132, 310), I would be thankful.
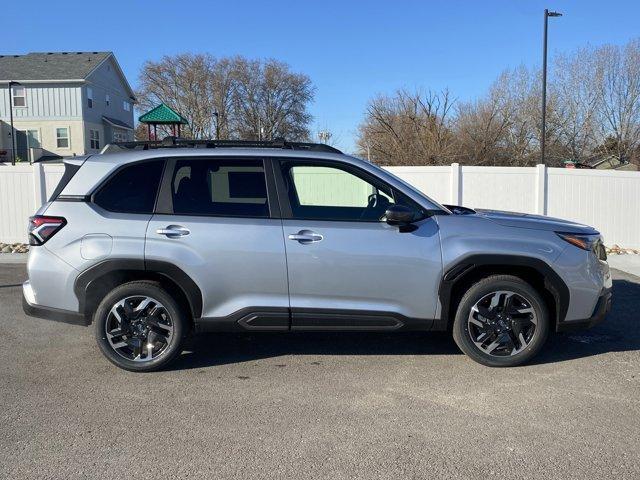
(222, 84)
(618, 92)
(481, 131)
(184, 83)
(593, 110)
(270, 101)
(574, 88)
(408, 129)
(249, 98)
(518, 93)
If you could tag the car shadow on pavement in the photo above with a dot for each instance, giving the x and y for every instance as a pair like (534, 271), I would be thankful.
(205, 350)
(619, 332)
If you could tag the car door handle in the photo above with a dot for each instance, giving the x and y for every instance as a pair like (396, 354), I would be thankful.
(173, 231)
(306, 236)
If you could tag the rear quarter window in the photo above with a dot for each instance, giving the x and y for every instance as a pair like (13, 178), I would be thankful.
(132, 189)
(70, 169)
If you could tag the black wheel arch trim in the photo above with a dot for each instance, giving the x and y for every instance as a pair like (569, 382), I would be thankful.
(468, 265)
(165, 269)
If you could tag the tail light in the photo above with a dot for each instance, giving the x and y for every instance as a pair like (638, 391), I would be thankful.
(42, 228)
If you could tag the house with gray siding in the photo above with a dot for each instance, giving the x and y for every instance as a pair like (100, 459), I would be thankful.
(64, 103)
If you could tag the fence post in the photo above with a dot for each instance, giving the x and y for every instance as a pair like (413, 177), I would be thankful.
(541, 189)
(39, 185)
(456, 187)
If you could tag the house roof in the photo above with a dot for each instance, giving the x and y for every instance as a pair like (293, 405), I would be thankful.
(613, 159)
(116, 123)
(50, 65)
(162, 114)
(56, 66)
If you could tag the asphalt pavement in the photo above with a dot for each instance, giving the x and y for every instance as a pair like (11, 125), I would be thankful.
(339, 405)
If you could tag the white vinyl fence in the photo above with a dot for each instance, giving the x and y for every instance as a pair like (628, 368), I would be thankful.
(23, 188)
(608, 200)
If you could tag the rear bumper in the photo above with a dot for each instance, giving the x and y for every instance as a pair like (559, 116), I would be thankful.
(48, 313)
(599, 314)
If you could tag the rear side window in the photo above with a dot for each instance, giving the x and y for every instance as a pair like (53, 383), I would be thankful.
(219, 187)
(131, 190)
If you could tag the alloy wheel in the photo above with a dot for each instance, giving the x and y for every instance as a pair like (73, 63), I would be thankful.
(502, 323)
(139, 328)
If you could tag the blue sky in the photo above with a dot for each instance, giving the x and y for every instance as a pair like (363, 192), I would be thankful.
(352, 50)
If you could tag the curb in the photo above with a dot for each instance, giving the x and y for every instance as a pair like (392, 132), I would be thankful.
(13, 257)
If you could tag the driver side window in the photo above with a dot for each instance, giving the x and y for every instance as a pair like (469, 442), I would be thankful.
(319, 192)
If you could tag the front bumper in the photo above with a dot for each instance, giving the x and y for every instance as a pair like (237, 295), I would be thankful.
(602, 308)
(48, 313)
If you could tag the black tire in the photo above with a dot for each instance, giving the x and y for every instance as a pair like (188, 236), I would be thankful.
(482, 289)
(178, 319)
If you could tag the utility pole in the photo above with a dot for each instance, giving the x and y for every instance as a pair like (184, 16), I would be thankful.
(324, 135)
(543, 137)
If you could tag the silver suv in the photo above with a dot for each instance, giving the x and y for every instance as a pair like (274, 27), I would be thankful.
(161, 239)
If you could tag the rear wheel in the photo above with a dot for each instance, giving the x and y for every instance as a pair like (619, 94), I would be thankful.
(501, 321)
(139, 326)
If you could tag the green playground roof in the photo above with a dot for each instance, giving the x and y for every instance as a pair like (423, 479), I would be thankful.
(162, 114)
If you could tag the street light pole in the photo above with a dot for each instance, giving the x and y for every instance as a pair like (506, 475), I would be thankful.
(543, 137)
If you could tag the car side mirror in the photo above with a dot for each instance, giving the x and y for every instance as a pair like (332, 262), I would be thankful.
(402, 217)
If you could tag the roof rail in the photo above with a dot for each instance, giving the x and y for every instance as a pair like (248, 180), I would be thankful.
(176, 142)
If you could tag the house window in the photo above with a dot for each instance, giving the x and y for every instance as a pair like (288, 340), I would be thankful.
(120, 136)
(94, 139)
(33, 139)
(126, 106)
(19, 96)
(107, 99)
(62, 137)
(89, 97)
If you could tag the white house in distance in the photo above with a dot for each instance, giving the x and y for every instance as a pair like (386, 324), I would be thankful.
(66, 103)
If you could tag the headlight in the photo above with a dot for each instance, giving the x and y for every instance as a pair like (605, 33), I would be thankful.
(586, 242)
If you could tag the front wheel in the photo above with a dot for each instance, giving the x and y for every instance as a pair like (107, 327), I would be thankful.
(139, 326)
(501, 321)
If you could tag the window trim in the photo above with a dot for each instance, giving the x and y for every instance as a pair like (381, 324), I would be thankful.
(68, 137)
(14, 96)
(126, 106)
(285, 204)
(164, 204)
